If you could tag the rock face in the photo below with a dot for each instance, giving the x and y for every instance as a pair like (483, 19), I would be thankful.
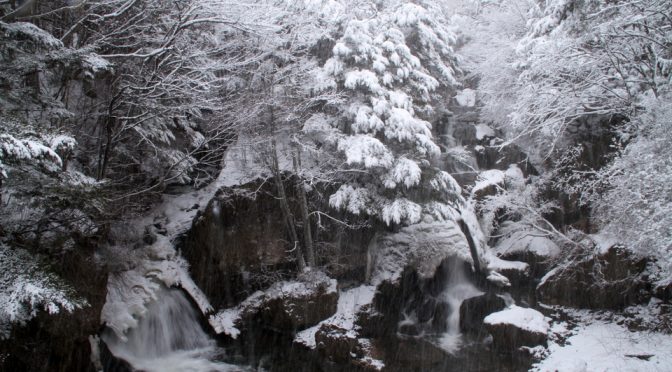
(238, 238)
(611, 280)
(515, 327)
(239, 244)
(474, 310)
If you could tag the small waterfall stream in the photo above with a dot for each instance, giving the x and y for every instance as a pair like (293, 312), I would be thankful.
(458, 289)
(168, 338)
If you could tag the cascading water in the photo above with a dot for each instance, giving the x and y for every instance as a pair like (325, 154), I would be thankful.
(168, 338)
(458, 289)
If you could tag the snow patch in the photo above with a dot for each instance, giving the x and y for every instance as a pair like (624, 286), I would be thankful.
(349, 303)
(602, 346)
(483, 131)
(527, 241)
(467, 98)
(497, 264)
(488, 178)
(520, 317)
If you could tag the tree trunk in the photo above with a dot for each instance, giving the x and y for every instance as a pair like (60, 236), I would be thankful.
(307, 231)
(284, 205)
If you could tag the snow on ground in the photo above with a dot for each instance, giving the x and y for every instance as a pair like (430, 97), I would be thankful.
(349, 303)
(520, 317)
(602, 346)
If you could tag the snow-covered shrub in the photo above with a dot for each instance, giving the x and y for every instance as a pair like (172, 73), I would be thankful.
(637, 206)
(27, 288)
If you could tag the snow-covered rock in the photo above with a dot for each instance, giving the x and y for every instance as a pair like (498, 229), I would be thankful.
(421, 246)
(516, 326)
(610, 280)
(338, 338)
(483, 131)
(527, 242)
(466, 98)
(286, 306)
(488, 184)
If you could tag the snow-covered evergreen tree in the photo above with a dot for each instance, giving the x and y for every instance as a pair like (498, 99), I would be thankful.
(391, 65)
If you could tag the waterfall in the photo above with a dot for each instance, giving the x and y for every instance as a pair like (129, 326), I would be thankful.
(458, 289)
(168, 338)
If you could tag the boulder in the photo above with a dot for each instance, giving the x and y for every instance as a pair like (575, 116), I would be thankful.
(515, 327)
(489, 183)
(342, 350)
(236, 242)
(613, 279)
(335, 343)
(474, 310)
(371, 323)
(285, 307)
(531, 247)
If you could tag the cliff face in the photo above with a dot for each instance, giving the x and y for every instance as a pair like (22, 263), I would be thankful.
(240, 243)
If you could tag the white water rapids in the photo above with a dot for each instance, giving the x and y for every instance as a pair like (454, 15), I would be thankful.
(168, 338)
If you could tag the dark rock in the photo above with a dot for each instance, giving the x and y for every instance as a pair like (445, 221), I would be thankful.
(290, 306)
(234, 245)
(474, 310)
(508, 338)
(464, 132)
(409, 329)
(426, 310)
(335, 343)
(495, 157)
(419, 352)
(110, 362)
(490, 190)
(612, 280)
(367, 353)
(516, 330)
(537, 265)
(149, 237)
(516, 276)
(239, 244)
(441, 314)
(371, 322)
(664, 292)
(60, 342)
